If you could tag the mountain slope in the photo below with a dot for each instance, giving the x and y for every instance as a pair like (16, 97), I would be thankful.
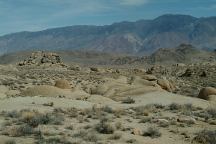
(184, 53)
(144, 36)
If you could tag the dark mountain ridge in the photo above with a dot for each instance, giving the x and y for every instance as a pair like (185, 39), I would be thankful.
(140, 37)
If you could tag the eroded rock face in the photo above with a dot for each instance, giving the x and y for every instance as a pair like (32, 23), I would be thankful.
(165, 84)
(206, 92)
(63, 84)
(42, 58)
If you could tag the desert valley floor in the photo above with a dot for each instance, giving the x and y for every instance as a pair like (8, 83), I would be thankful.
(44, 101)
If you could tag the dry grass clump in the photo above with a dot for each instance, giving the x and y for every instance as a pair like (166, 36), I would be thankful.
(152, 132)
(118, 125)
(207, 114)
(25, 121)
(175, 107)
(212, 112)
(91, 138)
(145, 110)
(205, 137)
(11, 114)
(115, 136)
(80, 134)
(145, 120)
(86, 136)
(34, 119)
(107, 109)
(104, 127)
(17, 131)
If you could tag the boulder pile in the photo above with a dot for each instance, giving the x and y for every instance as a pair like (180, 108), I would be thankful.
(41, 58)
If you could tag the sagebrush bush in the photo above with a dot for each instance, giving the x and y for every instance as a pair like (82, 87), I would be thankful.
(205, 137)
(152, 132)
(115, 136)
(175, 106)
(105, 127)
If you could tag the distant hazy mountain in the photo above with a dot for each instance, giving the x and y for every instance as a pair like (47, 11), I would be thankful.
(144, 36)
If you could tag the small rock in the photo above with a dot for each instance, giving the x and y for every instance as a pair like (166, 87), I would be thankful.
(206, 92)
(149, 77)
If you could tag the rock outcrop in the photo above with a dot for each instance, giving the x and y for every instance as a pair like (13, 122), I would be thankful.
(206, 92)
(42, 58)
(63, 84)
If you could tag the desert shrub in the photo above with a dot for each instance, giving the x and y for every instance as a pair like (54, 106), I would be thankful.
(22, 130)
(107, 109)
(105, 127)
(128, 100)
(205, 137)
(80, 134)
(119, 112)
(206, 114)
(91, 138)
(145, 110)
(54, 140)
(87, 127)
(175, 106)
(145, 120)
(118, 125)
(70, 127)
(10, 142)
(13, 114)
(131, 141)
(163, 124)
(202, 114)
(159, 106)
(73, 112)
(115, 136)
(34, 118)
(46, 119)
(152, 132)
(140, 110)
(212, 112)
(188, 106)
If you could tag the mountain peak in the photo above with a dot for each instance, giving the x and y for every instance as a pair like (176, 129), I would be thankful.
(175, 16)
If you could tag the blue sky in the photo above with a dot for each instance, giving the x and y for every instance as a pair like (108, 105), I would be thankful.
(34, 15)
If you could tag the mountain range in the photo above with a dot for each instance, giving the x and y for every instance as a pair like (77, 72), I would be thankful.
(136, 38)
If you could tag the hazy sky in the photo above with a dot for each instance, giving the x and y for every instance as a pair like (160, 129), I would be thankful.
(33, 15)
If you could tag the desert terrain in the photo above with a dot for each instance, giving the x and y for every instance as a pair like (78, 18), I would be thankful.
(45, 99)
